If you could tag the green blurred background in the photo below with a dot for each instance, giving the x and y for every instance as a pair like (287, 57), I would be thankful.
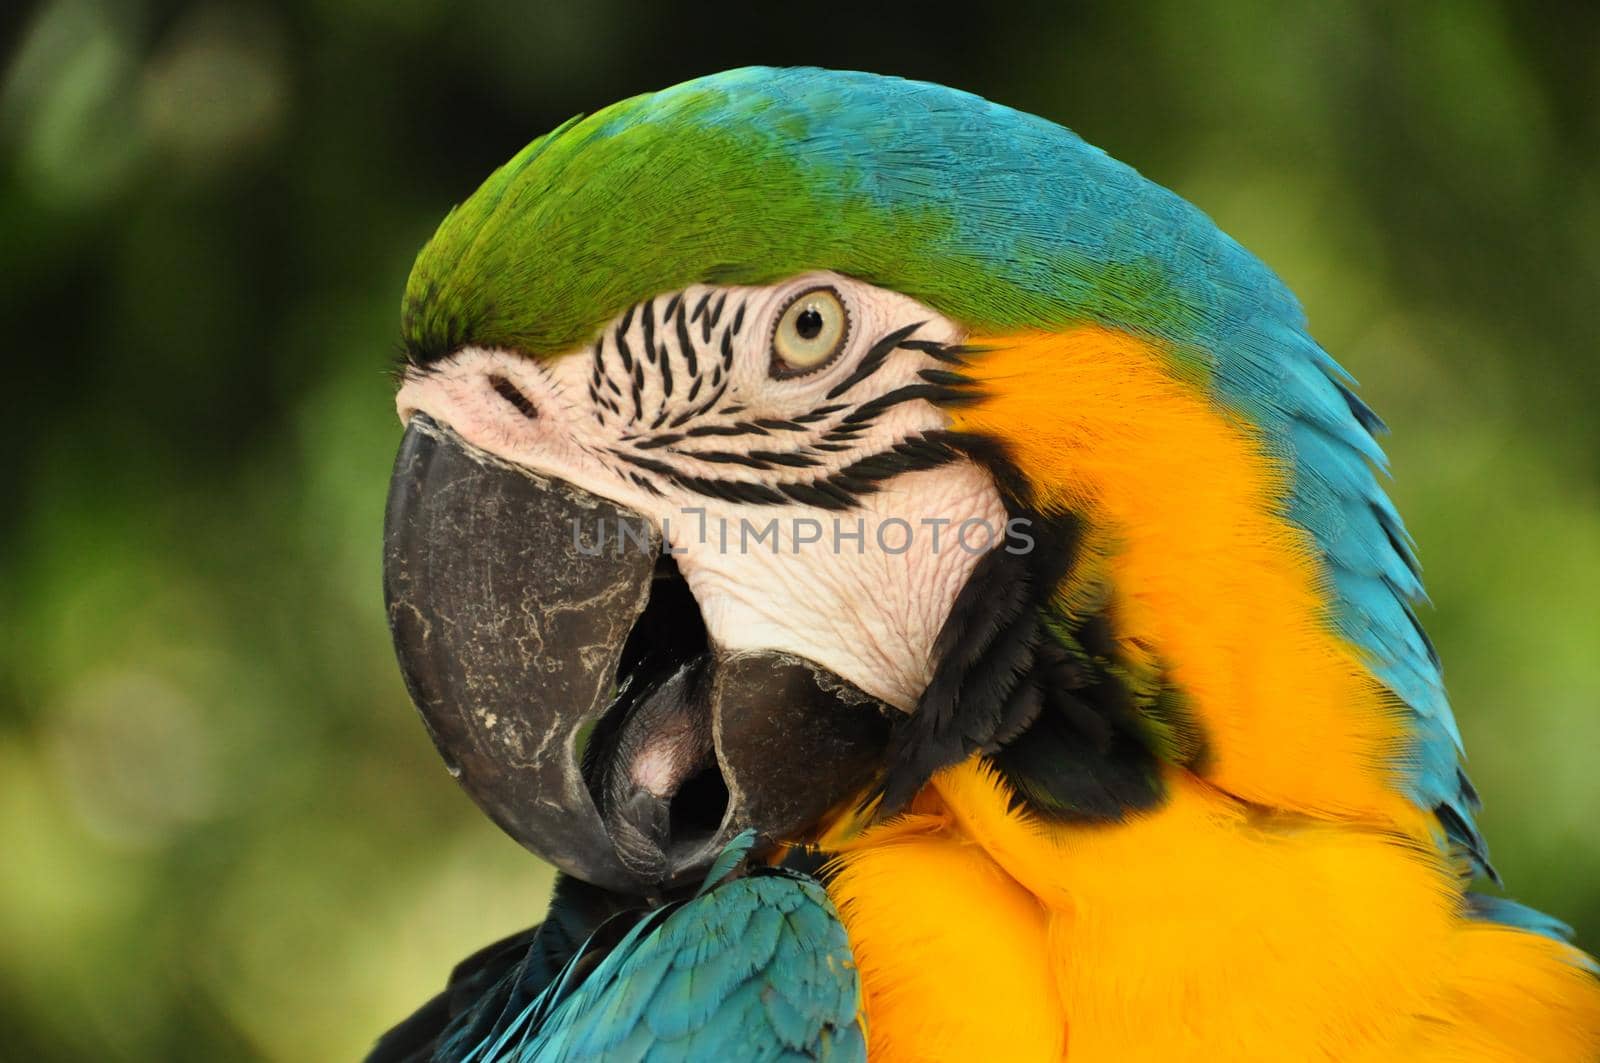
(225, 833)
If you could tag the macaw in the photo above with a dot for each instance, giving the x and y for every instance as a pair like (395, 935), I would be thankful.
(842, 505)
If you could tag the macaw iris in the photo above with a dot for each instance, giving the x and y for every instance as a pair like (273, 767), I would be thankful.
(1147, 757)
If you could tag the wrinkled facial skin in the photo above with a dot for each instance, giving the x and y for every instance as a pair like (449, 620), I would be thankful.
(812, 511)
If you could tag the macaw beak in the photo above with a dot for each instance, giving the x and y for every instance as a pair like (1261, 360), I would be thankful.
(565, 676)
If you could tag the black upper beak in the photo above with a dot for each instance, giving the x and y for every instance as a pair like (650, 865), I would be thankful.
(562, 669)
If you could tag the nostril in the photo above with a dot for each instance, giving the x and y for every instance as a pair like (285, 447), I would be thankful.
(513, 395)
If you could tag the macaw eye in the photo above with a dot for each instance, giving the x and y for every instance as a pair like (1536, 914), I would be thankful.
(810, 332)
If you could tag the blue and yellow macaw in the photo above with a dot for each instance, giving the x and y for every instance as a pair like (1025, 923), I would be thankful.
(888, 483)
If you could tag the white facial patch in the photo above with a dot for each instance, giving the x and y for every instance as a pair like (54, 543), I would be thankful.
(814, 510)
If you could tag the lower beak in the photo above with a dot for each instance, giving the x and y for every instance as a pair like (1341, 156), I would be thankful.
(562, 669)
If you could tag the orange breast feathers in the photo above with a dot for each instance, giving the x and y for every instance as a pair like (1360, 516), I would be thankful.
(1291, 904)
(1205, 930)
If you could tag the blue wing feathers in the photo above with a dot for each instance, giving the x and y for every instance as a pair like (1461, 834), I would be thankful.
(757, 968)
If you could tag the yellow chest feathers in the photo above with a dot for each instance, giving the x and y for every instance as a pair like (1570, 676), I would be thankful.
(1204, 930)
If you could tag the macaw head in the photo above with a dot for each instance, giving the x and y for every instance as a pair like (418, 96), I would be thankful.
(779, 439)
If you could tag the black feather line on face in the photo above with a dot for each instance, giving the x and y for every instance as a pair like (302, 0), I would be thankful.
(686, 345)
(841, 490)
(648, 321)
(666, 377)
(1042, 699)
(623, 350)
(873, 360)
